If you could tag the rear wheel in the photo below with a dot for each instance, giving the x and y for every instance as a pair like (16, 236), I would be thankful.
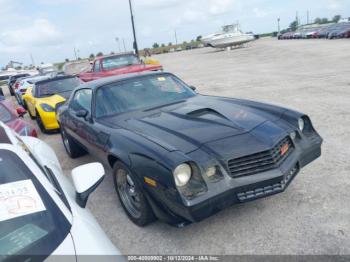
(73, 149)
(131, 196)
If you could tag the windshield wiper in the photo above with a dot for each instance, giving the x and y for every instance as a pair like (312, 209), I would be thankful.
(165, 105)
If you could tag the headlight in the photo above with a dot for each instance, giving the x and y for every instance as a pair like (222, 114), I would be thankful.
(301, 124)
(47, 108)
(182, 174)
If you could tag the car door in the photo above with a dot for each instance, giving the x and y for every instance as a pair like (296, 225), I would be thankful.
(30, 100)
(94, 74)
(78, 126)
(97, 70)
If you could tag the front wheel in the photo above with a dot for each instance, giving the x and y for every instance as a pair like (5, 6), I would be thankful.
(73, 149)
(131, 196)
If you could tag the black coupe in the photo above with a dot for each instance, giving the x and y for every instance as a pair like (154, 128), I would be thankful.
(180, 156)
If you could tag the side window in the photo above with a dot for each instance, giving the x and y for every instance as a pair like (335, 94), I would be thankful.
(82, 100)
(33, 91)
(97, 66)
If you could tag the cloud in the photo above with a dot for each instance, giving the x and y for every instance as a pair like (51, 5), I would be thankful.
(259, 13)
(41, 32)
(335, 4)
(218, 7)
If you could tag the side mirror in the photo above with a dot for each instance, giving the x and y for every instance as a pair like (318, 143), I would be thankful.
(82, 113)
(86, 179)
(21, 111)
(193, 88)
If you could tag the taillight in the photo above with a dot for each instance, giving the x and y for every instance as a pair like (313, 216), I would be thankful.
(16, 85)
(34, 133)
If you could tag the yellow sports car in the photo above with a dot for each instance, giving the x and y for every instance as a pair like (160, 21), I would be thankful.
(41, 99)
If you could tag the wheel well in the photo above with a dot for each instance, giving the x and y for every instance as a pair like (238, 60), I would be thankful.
(112, 160)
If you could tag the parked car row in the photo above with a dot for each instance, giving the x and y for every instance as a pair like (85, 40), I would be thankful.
(175, 155)
(332, 31)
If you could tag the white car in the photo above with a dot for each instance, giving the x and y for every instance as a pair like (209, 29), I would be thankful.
(24, 84)
(41, 214)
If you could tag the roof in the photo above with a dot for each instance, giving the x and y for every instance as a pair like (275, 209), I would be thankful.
(114, 55)
(112, 79)
(53, 79)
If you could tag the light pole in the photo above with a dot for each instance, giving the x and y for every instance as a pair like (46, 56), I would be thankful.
(124, 45)
(278, 22)
(175, 36)
(117, 40)
(133, 29)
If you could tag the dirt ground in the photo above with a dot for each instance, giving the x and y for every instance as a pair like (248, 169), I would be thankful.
(313, 215)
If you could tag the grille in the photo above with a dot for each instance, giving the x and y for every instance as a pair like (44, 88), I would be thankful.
(260, 162)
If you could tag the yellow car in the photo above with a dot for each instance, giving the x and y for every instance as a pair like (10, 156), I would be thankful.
(151, 61)
(42, 98)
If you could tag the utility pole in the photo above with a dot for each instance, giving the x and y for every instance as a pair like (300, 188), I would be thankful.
(124, 45)
(75, 54)
(308, 16)
(117, 40)
(278, 23)
(32, 59)
(175, 37)
(297, 18)
(133, 29)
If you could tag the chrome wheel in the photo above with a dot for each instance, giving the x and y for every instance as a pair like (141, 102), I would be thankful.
(128, 192)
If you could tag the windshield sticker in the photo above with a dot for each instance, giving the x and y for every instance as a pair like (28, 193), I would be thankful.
(19, 199)
(19, 239)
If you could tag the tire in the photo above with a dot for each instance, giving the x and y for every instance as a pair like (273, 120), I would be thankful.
(73, 149)
(131, 195)
(40, 123)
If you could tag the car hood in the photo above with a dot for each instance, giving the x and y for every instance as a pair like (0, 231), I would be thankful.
(54, 100)
(188, 125)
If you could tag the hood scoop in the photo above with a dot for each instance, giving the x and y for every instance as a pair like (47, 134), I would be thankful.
(206, 113)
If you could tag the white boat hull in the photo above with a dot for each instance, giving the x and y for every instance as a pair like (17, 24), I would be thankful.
(230, 40)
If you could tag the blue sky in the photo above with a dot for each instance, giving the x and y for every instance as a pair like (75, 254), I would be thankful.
(51, 29)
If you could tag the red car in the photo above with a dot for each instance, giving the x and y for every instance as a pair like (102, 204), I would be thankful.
(13, 118)
(117, 65)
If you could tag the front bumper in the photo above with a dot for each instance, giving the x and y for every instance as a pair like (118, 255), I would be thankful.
(49, 120)
(231, 191)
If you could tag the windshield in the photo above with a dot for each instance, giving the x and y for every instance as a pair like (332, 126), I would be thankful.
(5, 115)
(56, 87)
(30, 221)
(114, 62)
(141, 93)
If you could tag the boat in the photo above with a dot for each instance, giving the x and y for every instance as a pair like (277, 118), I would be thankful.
(231, 35)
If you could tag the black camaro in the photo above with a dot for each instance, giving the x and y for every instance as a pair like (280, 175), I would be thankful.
(180, 156)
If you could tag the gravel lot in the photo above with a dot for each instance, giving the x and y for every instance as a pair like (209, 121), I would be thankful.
(313, 215)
